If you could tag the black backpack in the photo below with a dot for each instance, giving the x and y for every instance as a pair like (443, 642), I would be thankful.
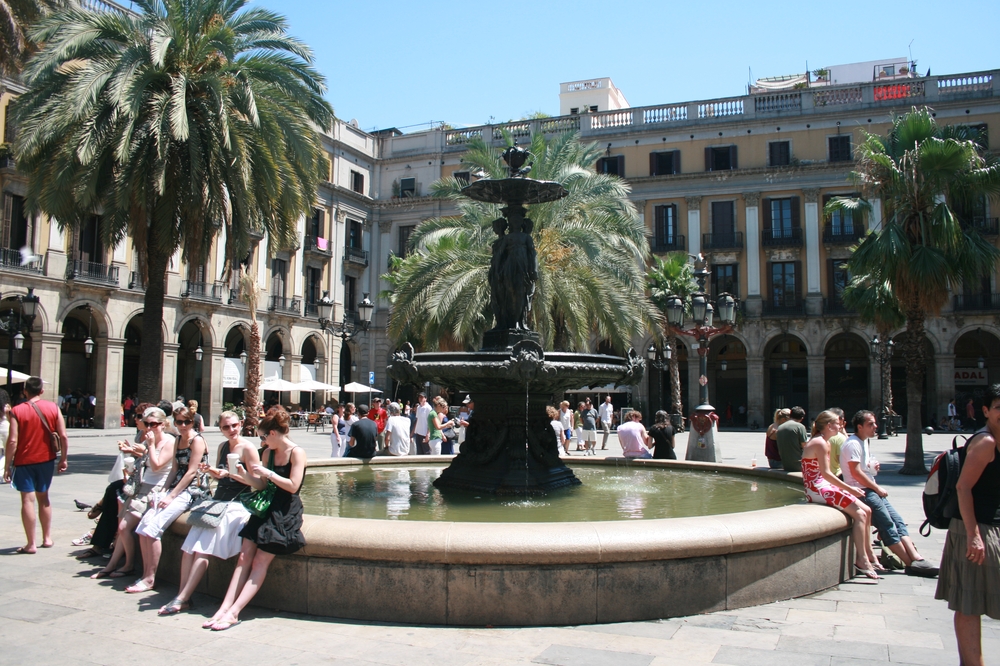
(940, 497)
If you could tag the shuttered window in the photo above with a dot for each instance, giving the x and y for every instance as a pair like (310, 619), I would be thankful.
(665, 163)
(613, 165)
(784, 286)
(779, 153)
(720, 159)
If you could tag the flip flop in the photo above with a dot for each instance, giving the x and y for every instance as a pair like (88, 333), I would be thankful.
(87, 554)
(139, 587)
(102, 574)
(121, 574)
(23, 551)
(174, 607)
(47, 545)
(867, 573)
(222, 626)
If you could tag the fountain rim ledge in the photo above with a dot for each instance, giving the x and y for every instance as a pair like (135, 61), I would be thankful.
(547, 543)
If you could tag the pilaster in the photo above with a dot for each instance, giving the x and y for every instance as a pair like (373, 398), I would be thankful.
(694, 226)
(755, 392)
(46, 353)
(110, 355)
(944, 374)
(751, 201)
(210, 412)
(168, 380)
(816, 367)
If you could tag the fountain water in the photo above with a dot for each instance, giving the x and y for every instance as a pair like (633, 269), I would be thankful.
(512, 364)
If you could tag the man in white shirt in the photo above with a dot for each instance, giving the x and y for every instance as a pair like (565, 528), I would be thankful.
(607, 413)
(419, 430)
(397, 432)
(859, 470)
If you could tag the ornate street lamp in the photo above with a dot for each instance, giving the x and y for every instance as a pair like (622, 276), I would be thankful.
(348, 328)
(15, 322)
(702, 328)
(243, 357)
(199, 354)
(723, 365)
(784, 364)
(847, 365)
(882, 351)
(281, 361)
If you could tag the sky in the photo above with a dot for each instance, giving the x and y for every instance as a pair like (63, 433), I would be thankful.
(390, 63)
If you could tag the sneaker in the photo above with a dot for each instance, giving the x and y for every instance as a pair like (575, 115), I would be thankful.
(82, 541)
(922, 568)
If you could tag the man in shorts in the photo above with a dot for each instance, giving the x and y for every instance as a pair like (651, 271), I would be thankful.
(607, 413)
(30, 453)
(590, 417)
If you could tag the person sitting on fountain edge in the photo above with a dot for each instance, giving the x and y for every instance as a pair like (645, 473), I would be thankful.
(364, 435)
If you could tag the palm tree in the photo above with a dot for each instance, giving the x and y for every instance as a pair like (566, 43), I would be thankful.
(16, 18)
(250, 293)
(671, 276)
(591, 252)
(920, 171)
(188, 118)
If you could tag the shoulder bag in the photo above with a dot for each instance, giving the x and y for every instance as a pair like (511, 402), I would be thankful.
(258, 503)
(207, 513)
(55, 442)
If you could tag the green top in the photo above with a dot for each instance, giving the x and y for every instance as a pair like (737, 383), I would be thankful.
(577, 419)
(432, 431)
(836, 443)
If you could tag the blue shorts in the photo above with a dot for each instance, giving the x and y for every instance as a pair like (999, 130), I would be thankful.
(33, 478)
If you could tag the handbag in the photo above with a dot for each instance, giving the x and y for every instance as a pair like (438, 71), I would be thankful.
(258, 503)
(55, 442)
(207, 513)
(134, 480)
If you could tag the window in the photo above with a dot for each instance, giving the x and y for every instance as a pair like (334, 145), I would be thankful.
(279, 274)
(613, 165)
(404, 239)
(665, 163)
(350, 289)
(723, 218)
(665, 232)
(354, 234)
(980, 134)
(314, 284)
(720, 159)
(725, 280)
(784, 287)
(314, 225)
(358, 182)
(840, 222)
(574, 111)
(838, 280)
(779, 153)
(593, 108)
(782, 215)
(840, 148)
(463, 177)
(17, 231)
(9, 131)
(88, 241)
(407, 187)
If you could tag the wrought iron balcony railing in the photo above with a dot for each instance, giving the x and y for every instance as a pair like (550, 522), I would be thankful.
(673, 243)
(785, 308)
(203, 291)
(285, 305)
(834, 305)
(780, 237)
(318, 246)
(981, 302)
(730, 241)
(842, 234)
(11, 260)
(353, 255)
(93, 272)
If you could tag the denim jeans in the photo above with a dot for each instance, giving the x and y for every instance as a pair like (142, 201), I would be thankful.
(890, 525)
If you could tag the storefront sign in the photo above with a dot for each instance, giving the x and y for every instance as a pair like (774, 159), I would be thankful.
(971, 377)
(232, 373)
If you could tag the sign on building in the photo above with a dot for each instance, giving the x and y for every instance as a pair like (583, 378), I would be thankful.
(971, 377)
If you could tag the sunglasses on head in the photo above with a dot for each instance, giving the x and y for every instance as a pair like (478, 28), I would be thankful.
(183, 422)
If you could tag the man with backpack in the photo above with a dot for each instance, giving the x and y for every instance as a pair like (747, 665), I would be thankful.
(970, 564)
(859, 470)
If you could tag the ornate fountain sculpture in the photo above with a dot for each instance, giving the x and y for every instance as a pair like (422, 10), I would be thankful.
(510, 447)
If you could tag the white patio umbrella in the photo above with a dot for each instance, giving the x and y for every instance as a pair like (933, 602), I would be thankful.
(15, 376)
(311, 385)
(355, 387)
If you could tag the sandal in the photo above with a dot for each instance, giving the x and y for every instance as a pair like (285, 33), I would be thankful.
(89, 553)
(177, 605)
(867, 573)
(121, 574)
(139, 587)
(222, 625)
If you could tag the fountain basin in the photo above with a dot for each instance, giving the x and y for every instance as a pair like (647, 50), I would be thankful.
(514, 574)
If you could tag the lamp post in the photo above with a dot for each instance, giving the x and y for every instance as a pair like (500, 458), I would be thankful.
(659, 359)
(15, 339)
(347, 328)
(702, 328)
(882, 351)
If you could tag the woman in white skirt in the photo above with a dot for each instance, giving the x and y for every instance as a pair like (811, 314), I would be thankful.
(222, 541)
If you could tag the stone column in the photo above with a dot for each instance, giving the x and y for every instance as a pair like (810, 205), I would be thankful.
(110, 355)
(944, 367)
(694, 388)
(814, 295)
(211, 411)
(754, 304)
(816, 366)
(875, 384)
(694, 225)
(756, 406)
(46, 357)
(293, 370)
(168, 382)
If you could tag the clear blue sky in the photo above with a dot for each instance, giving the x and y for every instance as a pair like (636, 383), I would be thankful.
(393, 63)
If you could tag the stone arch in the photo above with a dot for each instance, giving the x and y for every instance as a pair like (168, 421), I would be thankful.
(204, 326)
(786, 373)
(847, 372)
(728, 389)
(101, 319)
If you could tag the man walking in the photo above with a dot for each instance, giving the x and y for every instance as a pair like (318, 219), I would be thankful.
(397, 432)
(791, 436)
(859, 470)
(419, 431)
(607, 413)
(590, 417)
(30, 451)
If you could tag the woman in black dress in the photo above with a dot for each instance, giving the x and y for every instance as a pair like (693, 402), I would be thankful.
(280, 532)
(663, 437)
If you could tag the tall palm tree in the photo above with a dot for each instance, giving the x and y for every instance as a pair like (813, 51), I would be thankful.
(591, 252)
(921, 252)
(16, 18)
(250, 293)
(188, 118)
(671, 276)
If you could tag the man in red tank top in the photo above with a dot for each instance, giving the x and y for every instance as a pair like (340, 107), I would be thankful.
(30, 453)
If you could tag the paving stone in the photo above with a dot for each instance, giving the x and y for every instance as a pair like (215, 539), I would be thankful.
(565, 655)
(891, 637)
(905, 654)
(663, 630)
(714, 621)
(872, 651)
(871, 621)
(751, 657)
(851, 661)
(34, 611)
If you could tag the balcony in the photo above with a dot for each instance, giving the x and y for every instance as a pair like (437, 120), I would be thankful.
(203, 291)
(837, 307)
(791, 237)
(312, 310)
(10, 260)
(672, 244)
(976, 302)
(282, 305)
(317, 245)
(8, 162)
(730, 241)
(842, 234)
(93, 273)
(356, 256)
(135, 281)
(786, 308)
(255, 235)
(987, 226)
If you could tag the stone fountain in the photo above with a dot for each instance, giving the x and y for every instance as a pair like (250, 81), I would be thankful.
(510, 448)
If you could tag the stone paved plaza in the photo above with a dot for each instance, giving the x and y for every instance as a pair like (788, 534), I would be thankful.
(51, 613)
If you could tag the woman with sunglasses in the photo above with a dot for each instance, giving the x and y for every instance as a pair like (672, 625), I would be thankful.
(188, 485)
(280, 532)
(222, 541)
(155, 452)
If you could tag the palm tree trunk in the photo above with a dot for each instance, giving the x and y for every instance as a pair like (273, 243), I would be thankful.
(675, 375)
(151, 346)
(251, 396)
(913, 352)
